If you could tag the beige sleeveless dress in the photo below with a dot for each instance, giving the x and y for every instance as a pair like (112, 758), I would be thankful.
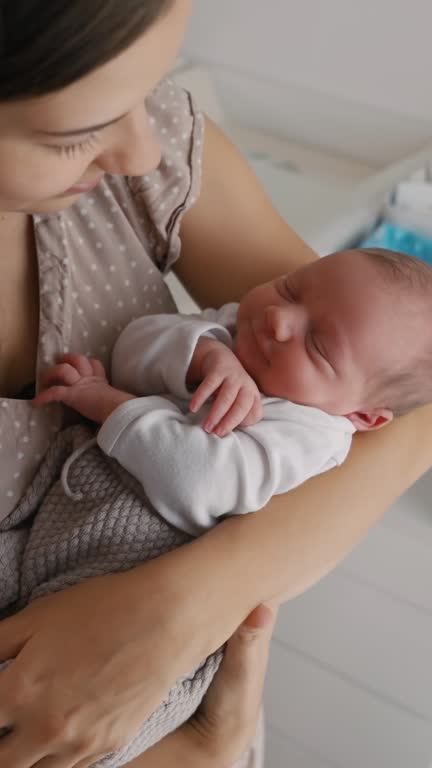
(101, 264)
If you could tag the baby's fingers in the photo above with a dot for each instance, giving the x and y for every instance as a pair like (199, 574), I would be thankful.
(86, 366)
(62, 373)
(238, 411)
(224, 400)
(255, 414)
(56, 394)
(206, 389)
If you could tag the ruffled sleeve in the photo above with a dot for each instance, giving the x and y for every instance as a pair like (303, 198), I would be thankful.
(164, 195)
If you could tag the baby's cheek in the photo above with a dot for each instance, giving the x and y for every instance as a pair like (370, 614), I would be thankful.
(296, 380)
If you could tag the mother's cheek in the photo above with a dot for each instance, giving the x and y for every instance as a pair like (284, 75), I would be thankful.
(33, 175)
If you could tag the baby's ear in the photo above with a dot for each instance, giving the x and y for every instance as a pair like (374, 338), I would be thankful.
(365, 421)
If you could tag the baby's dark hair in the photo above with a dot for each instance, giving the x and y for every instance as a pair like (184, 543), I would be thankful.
(409, 271)
(46, 45)
(410, 386)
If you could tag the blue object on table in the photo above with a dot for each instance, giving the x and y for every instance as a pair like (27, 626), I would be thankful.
(396, 238)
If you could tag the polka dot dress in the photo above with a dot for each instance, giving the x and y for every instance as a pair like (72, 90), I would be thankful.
(101, 264)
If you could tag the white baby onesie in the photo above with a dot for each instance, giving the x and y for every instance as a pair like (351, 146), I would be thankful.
(194, 479)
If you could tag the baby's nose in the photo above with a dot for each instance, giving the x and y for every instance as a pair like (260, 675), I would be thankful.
(280, 323)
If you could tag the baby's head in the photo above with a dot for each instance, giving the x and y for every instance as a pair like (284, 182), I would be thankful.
(350, 334)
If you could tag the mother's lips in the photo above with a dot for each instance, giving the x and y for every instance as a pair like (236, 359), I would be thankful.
(84, 186)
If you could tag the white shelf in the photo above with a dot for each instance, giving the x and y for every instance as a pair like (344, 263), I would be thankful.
(306, 159)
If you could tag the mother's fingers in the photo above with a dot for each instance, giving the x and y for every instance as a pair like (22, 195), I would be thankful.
(247, 650)
(28, 752)
(227, 719)
(15, 752)
(245, 663)
(262, 616)
(87, 762)
(54, 761)
(235, 694)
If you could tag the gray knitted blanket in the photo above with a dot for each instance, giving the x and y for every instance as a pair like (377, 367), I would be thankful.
(51, 541)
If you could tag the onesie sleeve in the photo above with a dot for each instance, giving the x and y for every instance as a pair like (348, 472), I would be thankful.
(194, 479)
(153, 354)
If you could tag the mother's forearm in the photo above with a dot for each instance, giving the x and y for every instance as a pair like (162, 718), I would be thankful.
(302, 535)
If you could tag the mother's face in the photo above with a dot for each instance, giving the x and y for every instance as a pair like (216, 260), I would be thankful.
(56, 146)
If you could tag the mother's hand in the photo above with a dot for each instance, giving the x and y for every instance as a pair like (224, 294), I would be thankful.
(225, 724)
(91, 664)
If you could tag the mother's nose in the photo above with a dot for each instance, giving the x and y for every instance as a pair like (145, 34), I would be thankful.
(134, 150)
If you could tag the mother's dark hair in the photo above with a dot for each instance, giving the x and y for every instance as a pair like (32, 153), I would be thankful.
(47, 44)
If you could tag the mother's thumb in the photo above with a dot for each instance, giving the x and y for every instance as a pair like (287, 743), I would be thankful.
(250, 643)
(260, 621)
(247, 653)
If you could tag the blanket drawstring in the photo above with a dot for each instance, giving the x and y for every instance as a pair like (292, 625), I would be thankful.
(74, 495)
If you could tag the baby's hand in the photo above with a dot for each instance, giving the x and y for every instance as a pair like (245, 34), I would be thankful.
(237, 399)
(81, 383)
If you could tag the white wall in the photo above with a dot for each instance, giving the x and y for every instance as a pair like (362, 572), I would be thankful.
(351, 75)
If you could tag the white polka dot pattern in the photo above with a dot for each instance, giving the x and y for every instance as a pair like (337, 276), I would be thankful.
(101, 264)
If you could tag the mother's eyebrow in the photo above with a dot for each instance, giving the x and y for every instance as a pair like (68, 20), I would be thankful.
(80, 131)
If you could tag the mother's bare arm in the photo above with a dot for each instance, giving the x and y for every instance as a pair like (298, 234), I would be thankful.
(161, 619)
(288, 546)
(233, 239)
(300, 536)
(223, 726)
